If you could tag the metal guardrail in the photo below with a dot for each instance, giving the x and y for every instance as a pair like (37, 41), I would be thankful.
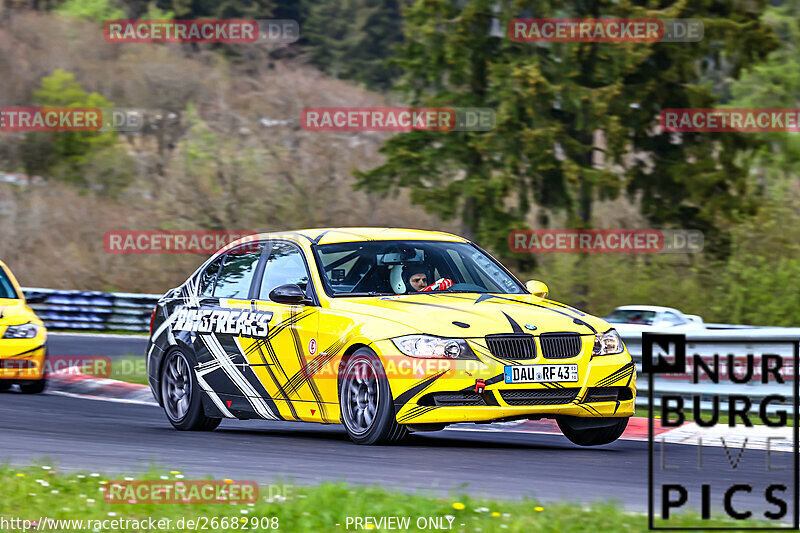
(737, 342)
(92, 310)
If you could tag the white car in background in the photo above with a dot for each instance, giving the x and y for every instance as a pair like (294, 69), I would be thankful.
(641, 318)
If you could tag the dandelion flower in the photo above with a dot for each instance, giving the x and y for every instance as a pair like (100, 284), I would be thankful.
(458, 506)
(538, 509)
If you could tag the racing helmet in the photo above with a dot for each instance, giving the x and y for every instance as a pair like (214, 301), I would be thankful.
(400, 274)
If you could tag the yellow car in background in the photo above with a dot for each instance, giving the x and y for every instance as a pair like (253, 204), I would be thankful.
(23, 339)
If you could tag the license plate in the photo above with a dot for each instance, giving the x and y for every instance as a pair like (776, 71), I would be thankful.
(541, 373)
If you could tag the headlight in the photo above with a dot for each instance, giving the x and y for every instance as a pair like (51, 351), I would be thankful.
(24, 331)
(430, 347)
(607, 343)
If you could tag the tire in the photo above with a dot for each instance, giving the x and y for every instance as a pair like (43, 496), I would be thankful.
(591, 436)
(180, 395)
(366, 401)
(33, 387)
(4, 386)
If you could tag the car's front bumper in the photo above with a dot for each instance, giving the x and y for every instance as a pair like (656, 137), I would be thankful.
(23, 359)
(418, 392)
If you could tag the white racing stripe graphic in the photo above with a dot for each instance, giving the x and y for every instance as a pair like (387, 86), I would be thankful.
(211, 394)
(244, 386)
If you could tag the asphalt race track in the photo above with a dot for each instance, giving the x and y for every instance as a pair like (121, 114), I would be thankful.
(94, 435)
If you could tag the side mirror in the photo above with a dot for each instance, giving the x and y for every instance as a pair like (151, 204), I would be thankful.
(537, 288)
(289, 294)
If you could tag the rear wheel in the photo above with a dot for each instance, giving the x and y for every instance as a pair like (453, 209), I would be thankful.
(33, 387)
(181, 395)
(4, 386)
(592, 432)
(366, 401)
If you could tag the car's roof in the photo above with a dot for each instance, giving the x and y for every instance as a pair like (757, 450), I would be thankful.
(335, 235)
(656, 308)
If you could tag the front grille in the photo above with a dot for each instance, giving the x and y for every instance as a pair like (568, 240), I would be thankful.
(514, 346)
(451, 399)
(560, 345)
(539, 396)
(608, 394)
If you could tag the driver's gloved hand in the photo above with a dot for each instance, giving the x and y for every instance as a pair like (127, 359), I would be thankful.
(439, 285)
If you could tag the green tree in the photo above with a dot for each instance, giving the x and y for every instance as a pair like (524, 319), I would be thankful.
(97, 10)
(576, 122)
(237, 9)
(352, 39)
(64, 154)
(775, 83)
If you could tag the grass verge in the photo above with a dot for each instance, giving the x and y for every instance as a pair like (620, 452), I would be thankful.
(41, 491)
(130, 368)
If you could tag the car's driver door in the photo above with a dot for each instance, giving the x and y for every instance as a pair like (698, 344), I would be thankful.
(279, 361)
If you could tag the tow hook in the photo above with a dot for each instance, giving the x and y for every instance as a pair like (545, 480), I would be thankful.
(480, 386)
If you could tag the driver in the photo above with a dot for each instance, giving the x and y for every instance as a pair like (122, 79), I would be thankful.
(415, 277)
(409, 278)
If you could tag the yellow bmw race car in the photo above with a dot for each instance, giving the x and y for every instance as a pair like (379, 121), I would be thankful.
(385, 331)
(23, 339)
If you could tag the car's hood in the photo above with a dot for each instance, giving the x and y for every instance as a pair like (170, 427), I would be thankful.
(447, 315)
(15, 312)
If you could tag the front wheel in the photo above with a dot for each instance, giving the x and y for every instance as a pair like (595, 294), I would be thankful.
(366, 401)
(4, 386)
(592, 432)
(180, 395)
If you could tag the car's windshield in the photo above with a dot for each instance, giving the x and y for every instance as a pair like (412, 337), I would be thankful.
(401, 267)
(631, 316)
(6, 288)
